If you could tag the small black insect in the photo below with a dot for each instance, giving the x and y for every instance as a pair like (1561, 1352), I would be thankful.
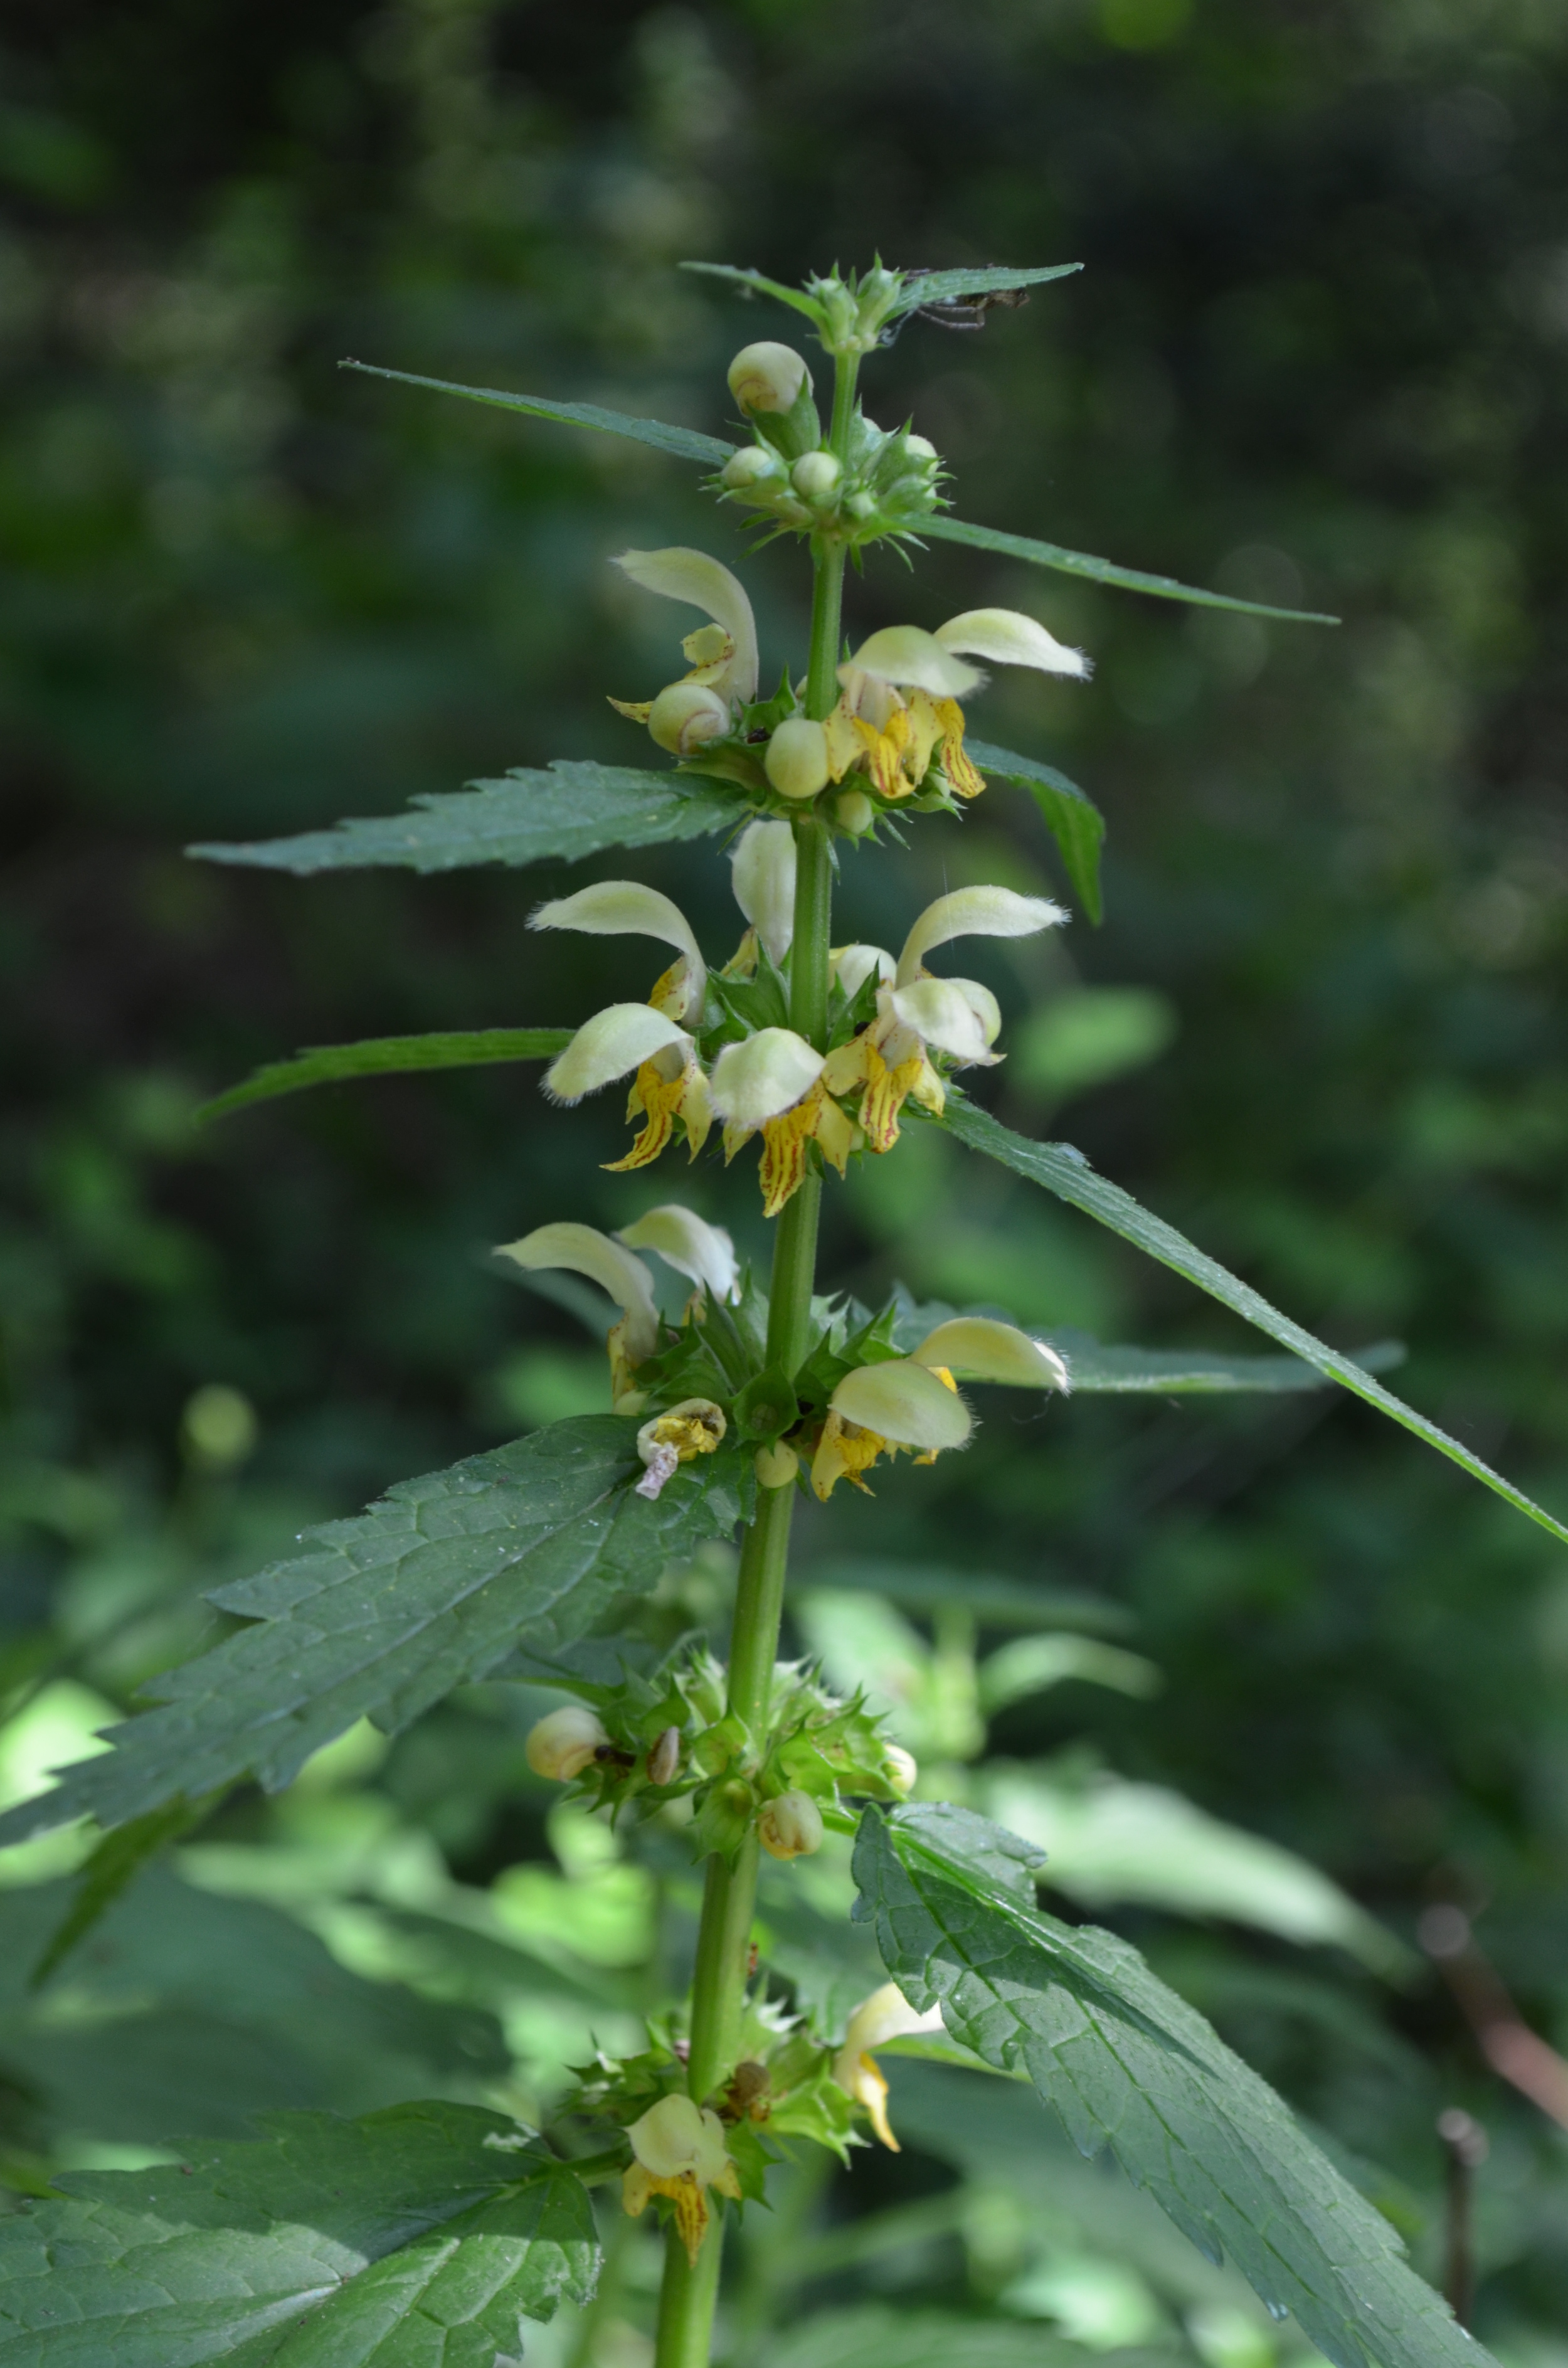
(963, 312)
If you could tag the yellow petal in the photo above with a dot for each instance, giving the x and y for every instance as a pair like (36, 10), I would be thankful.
(843, 1452)
(963, 777)
(658, 1098)
(638, 709)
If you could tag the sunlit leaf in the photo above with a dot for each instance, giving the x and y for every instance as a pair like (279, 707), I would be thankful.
(1128, 2064)
(383, 1615)
(426, 2232)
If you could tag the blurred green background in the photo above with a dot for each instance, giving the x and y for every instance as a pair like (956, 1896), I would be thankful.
(1317, 355)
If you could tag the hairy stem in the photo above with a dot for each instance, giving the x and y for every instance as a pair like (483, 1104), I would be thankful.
(688, 2295)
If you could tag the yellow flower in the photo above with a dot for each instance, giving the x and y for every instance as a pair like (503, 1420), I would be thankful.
(900, 693)
(703, 1253)
(886, 2014)
(678, 2152)
(889, 1061)
(771, 1083)
(899, 1404)
(704, 703)
(696, 1427)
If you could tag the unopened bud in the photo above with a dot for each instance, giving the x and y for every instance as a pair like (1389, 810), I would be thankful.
(815, 475)
(902, 1767)
(776, 1466)
(860, 505)
(767, 377)
(918, 448)
(853, 811)
(790, 1827)
(686, 715)
(663, 1758)
(752, 465)
(796, 761)
(561, 1745)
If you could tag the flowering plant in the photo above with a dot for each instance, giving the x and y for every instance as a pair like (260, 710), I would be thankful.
(724, 1412)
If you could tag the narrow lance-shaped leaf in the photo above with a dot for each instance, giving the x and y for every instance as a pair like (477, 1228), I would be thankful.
(1073, 819)
(950, 286)
(574, 809)
(686, 443)
(1128, 2064)
(426, 2232)
(1104, 571)
(1195, 1373)
(1065, 1171)
(386, 1056)
(756, 284)
(383, 1616)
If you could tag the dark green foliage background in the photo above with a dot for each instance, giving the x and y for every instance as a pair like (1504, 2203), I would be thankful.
(1318, 353)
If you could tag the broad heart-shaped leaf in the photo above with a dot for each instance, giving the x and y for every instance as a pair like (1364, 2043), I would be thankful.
(1126, 2063)
(387, 1056)
(574, 809)
(1073, 820)
(950, 287)
(418, 2237)
(383, 1615)
(683, 442)
(1065, 1171)
(1103, 571)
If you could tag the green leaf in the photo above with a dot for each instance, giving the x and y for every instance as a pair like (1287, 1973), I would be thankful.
(1106, 1840)
(1103, 571)
(410, 2238)
(871, 2335)
(116, 1862)
(385, 1056)
(1075, 821)
(193, 2010)
(944, 287)
(756, 285)
(683, 442)
(574, 809)
(1065, 1171)
(1127, 2064)
(1194, 1372)
(383, 1615)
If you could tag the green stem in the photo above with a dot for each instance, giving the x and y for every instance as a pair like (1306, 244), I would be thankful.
(688, 2295)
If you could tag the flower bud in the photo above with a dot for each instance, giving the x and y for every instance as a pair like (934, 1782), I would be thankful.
(902, 1767)
(790, 1827)
(767, 377)
(853, 811)
(752, 465)
(815, 475)
(860, 505)
(796, 761)
(561, 1745)
(919, 448)
(686, 714)
(674, 2136)
(664, 1758)
(776, 1466)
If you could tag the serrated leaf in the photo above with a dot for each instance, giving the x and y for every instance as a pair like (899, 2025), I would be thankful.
(387, 1056)
(410, 2238)
(685, 443)
(1059, 1168)
(1128, 2064)
(574, 809)
(1104, 571)
(944, 287)
(1074, 820)
(431, 1587)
